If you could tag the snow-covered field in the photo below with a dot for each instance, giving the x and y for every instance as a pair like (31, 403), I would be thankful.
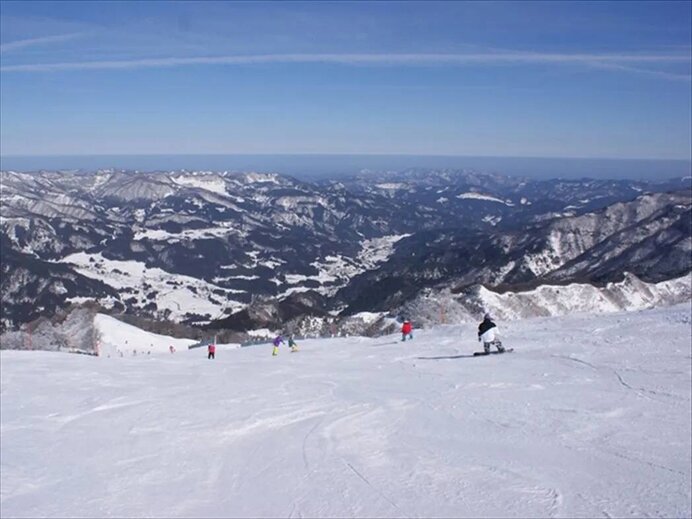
(589, 417)
(180, 295)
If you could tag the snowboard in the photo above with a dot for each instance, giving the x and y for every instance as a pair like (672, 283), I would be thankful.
(482, 353)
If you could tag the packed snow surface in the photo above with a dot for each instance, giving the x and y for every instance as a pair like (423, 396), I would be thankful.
(588, 417)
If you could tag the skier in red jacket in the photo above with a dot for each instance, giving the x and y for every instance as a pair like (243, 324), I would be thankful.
(406, 330)
(211, 351)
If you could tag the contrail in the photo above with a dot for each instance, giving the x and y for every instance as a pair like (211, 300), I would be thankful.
(618, 61)
(20, 44)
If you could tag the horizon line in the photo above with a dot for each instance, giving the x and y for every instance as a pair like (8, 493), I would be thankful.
(340, 154)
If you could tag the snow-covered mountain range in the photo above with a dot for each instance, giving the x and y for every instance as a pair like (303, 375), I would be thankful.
(204, 247)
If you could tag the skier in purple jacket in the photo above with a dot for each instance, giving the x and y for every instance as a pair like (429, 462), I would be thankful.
(277, 340)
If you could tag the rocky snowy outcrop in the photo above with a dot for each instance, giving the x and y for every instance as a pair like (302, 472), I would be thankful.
(629, 294)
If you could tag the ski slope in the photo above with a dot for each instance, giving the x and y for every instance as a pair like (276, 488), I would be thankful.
(589, 417)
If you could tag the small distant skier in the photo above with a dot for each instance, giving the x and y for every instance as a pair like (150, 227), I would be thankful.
(487, 334)
(171, 349)
(406, 330)
(277, 341)
(211, 351)
(292, 344)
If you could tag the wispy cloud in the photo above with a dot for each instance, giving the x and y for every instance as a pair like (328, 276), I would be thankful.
(645, 71)
(30, 42)
(615, 61)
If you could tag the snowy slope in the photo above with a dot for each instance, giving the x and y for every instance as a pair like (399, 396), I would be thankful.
(116, 337)
(589, 417)
(119, 339)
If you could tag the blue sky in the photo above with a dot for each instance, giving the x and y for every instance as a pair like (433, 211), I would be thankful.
(556, 79)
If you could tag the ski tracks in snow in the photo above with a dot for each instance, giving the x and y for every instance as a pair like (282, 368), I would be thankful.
(524, 488)
(639, 391)
(337, 439)
(113, 404)
(377, 490)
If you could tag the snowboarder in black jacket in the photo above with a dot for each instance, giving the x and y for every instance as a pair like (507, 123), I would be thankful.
(487, 334)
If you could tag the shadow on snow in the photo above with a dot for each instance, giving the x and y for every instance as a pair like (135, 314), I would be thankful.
(447, 357)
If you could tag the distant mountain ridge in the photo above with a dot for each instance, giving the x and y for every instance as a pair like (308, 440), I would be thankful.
(199, 247)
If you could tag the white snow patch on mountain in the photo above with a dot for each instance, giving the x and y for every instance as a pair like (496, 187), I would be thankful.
(293, 279)
(378, 250)
(211, 183)
(548, 259)
(369, 317)
(480, 196)
(290, 203)
(590, 416)
(254, 177)
(261, 332)
(492, 220)
(391, 185)
(189, 234)
(332, 268)
(272, 263)
(503, 271)
(295, 290)
(238, 276)
(101, 178)
(173, 293)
